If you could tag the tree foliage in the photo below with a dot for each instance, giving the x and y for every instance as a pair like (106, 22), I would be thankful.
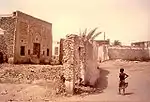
(91, 35)
(117, 43)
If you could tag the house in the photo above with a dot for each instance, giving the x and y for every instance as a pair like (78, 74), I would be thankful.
(56, 48)
(141, 44)
(27, 38)
(103, 42)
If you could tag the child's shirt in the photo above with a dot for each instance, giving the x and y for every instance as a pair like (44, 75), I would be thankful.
(122, 76)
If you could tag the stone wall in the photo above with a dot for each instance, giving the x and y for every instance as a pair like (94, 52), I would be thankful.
(129, 53)
(32, 74)
(69, 63)
(3, 48)
(8, 25)
(61, 51)
(79, 61)
(31, 30)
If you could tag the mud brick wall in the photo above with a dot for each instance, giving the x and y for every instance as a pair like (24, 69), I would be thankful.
(91, 71)
(8, 24)
(130, 53)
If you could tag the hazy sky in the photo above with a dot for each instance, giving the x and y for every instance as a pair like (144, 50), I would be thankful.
(124, 20)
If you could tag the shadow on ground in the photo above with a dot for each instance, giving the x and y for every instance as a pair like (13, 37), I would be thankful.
(100, 85)
(102, 81)
(129, 93)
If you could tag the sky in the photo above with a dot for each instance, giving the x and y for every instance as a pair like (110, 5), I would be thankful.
(124, 20)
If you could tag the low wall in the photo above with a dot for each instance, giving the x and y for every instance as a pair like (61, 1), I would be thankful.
(129, 53)
(32, 74)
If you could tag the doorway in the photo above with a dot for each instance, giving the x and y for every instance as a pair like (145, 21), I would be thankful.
(36, 49)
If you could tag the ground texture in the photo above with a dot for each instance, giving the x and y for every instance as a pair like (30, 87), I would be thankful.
(40, 91)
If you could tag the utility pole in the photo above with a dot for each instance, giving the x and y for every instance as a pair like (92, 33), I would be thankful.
(104, 35)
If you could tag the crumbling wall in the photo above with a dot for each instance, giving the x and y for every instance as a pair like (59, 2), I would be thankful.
(8, 25)
(79, 61)
(32, 74)
(69, 63)
(91, 71)
(129, 53)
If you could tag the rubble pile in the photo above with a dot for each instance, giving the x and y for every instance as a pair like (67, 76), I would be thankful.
(27, 74)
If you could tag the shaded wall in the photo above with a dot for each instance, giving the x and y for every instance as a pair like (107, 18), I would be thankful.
(61, 51)
(129, 53)
(3, 49)
(91, 70)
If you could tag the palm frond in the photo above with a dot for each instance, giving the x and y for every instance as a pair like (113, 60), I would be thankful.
(84, 33)
(96, 35)
(91, 33)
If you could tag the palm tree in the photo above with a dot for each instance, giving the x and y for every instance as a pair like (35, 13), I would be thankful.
(117, 42)
(90, 35)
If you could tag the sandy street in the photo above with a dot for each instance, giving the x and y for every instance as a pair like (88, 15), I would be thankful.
(137, 91)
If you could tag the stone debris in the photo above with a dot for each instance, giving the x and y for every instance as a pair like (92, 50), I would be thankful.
(32, 74)
(4, 92)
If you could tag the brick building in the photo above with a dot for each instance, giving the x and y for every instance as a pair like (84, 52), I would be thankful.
(27, 38)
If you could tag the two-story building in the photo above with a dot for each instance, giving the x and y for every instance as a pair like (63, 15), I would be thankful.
(26, 37)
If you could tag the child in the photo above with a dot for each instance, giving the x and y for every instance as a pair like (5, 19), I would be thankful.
(122, 83)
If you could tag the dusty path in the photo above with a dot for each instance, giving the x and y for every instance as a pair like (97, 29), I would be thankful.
(138, 90)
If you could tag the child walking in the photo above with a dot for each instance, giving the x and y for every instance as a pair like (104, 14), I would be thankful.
(122, 83)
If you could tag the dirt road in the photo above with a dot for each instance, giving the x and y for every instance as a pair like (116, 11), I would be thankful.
(137, 91)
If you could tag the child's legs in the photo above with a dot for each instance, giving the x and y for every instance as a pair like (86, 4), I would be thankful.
(120, 88)
(123, 90)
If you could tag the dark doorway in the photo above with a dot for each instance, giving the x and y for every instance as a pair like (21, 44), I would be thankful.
(47, 52)
(1, 57)
(22, 50)
(36, 49)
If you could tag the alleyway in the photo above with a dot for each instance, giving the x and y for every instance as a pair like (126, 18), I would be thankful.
(137, 91)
